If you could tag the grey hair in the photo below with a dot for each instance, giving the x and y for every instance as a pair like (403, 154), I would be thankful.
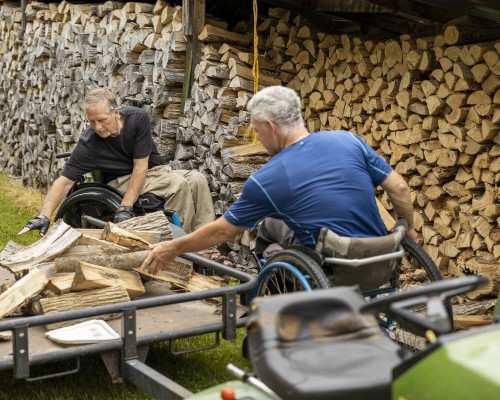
(278, 104)
(97, 97)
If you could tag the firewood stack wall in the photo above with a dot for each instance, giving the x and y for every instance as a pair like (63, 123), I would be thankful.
(429, 105)
(136, 49)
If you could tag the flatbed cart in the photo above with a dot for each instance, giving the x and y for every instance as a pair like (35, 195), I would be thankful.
(160, 317)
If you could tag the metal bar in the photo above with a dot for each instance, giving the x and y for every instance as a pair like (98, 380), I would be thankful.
(116, 345)
(194, 349)
(363, 261)
(21, 351)
(229, 316)
(250, 283)
(251, 380)
(94, 221)
(152, 382)
(57, 374)
(129, 334)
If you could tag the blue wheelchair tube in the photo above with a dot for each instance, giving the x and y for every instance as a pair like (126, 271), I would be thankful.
(175, 217)
(280, 264)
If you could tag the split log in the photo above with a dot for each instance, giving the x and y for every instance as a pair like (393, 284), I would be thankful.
(61, 283)
(486, 267)
(97, 250)
(151, 222)
(92, 239)
(125, 261)
(114, 234)
(57, 240)
(464, 322)
(194, 282)
(80, 301)
(93, 236)
(22, 291)
(90, 276)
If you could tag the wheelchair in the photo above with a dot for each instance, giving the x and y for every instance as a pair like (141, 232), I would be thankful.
(376, 265)
(90, 204)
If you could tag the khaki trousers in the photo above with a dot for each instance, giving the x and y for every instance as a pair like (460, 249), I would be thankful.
(185, 191)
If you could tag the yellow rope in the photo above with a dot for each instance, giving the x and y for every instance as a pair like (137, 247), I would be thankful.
(255, 68)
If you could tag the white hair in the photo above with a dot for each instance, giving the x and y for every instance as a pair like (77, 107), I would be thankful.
(278, 104)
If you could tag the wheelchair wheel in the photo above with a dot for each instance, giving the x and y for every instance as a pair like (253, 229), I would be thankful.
(417, 269)
(290, 271)
(417, 264)
(96, 202)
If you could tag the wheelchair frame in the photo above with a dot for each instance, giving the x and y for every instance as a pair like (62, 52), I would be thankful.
(315, 276)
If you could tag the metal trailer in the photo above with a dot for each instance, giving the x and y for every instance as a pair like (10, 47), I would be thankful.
(161, 317)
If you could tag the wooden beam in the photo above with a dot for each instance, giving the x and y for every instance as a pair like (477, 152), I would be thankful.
(194, 21)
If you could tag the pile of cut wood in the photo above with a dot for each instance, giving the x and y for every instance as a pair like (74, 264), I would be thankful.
(70, 269)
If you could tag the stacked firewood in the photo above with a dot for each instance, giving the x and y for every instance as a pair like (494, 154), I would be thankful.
(136, 49)
(72, 269)
(428, 105)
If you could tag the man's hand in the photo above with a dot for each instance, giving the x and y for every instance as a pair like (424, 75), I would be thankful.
(160, 256)
(40, 223)
(123, 213)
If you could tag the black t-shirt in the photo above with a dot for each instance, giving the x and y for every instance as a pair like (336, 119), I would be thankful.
(114, 156)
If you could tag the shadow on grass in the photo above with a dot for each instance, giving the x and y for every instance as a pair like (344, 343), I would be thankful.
(195, 371)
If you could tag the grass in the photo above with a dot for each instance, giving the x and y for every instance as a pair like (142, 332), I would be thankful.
(195, 371)
(17, 206)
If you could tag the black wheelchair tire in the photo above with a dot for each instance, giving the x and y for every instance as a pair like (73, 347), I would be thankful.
(417, 258)
(272, 278)
(413, 250)
(102, 203)
(418, 254)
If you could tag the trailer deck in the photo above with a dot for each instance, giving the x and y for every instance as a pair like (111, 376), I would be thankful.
(162, 316)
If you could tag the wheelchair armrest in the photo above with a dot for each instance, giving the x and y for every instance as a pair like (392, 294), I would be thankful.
(356, 262)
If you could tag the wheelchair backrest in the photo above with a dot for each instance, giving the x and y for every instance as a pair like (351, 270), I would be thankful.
(367, 262)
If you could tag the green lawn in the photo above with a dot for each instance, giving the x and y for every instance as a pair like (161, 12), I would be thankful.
(195, 371)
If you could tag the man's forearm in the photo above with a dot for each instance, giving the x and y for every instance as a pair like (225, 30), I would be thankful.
(207, 236)
(399, 194)
(56, 194)
(135, 186)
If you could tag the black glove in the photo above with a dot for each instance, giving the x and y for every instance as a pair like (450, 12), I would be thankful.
(40, 223)
(123, 213)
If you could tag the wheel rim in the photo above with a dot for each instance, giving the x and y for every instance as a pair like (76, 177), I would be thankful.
(281, 277)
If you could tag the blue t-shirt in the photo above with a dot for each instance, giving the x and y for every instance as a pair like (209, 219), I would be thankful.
(325, 180)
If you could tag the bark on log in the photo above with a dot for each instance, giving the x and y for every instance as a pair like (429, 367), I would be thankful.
(59, 238)
(22, 291)
(91, 276)
(82, 300)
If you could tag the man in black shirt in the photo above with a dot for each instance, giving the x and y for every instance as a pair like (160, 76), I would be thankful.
(119, 143)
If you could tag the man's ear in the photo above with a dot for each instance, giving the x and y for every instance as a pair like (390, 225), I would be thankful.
(272, 126)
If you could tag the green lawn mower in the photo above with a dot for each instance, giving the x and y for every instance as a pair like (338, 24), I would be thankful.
(328, 344)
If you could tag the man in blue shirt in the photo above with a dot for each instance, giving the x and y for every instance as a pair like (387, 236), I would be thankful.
(325, 179)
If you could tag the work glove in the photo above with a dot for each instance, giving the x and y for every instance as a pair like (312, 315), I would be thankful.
(40, 223)
(123, 213)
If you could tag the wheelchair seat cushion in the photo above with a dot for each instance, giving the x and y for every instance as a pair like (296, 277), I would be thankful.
(316, 345)
(368, 276)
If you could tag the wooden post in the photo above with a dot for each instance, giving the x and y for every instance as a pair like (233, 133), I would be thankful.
(23, 15)
(194, 20)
